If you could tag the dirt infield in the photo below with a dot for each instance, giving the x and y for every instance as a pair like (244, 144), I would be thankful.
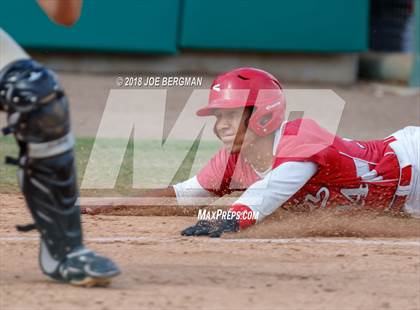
(162, 270)
(293, 261)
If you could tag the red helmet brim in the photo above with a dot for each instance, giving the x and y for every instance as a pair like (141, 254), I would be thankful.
(222, 104)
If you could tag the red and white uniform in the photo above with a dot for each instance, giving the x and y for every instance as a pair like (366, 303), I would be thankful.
(316, 167)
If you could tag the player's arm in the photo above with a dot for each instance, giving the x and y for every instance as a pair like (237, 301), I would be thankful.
(63, 12)
(187, 193)
(196, 191)
(93, 206)
(259, 200)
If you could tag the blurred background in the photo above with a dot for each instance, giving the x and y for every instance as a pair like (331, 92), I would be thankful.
(367, 51)
(302, 41)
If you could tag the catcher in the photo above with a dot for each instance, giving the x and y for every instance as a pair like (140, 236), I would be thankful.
(277, 163)
(38, 117)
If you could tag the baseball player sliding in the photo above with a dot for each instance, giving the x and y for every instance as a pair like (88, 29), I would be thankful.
(282, 163)
(38, 117)
(279, 163)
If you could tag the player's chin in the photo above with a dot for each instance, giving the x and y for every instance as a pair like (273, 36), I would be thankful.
(227, 140)
(233, 147)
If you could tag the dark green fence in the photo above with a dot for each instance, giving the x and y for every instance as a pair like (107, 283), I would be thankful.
(165, 26)
(276, 25)
(107, 25)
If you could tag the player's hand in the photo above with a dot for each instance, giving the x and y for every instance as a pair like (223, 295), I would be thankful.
(213, 229)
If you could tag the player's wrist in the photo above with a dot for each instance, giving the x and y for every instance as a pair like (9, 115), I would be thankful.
(246, 216)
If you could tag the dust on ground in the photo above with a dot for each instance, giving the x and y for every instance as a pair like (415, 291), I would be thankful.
(294, 224)
(162, 270)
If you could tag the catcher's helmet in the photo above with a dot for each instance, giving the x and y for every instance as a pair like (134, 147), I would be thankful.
(249, 87)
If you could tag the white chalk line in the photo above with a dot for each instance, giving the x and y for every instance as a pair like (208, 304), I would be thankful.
(355, 241)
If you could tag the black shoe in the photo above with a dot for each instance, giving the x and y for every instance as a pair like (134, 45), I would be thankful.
(81, 267)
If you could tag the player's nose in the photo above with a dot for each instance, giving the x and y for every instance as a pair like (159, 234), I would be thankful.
(222, 124)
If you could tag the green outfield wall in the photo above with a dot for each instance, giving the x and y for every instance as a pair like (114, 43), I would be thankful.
(276, 25)
(105, 25)
(166, 26)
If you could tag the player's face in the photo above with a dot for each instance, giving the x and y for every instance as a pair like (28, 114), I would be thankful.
(231, 127)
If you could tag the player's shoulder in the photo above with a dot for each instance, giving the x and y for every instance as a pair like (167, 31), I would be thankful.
(302, 138)
(302, 126)
(306, 131)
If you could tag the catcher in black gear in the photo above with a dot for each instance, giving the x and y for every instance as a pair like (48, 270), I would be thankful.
(38, 117)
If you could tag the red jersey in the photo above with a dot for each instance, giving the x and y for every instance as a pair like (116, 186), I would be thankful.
(348, 172)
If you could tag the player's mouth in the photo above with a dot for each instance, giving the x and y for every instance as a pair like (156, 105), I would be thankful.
(227, 138)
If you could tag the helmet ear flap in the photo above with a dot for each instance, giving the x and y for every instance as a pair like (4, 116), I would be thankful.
(265, 119)
(264, 122)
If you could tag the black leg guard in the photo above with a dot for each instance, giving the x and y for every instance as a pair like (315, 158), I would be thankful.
(38, 117)
(49, 186)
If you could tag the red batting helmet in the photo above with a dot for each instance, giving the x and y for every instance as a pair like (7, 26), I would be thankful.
(249, 87)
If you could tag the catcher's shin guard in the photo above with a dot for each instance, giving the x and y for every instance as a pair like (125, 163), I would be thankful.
(38, 116)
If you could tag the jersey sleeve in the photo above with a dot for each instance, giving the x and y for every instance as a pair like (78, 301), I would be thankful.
(190, 192)
(267, 195)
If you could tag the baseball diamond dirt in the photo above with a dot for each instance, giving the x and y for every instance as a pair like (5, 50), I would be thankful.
(322, 260)
(162, 270)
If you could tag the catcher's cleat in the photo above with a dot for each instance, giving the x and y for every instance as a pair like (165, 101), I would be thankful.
(81, 267)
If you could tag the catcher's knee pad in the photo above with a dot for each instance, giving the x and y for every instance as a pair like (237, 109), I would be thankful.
(38, 116)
